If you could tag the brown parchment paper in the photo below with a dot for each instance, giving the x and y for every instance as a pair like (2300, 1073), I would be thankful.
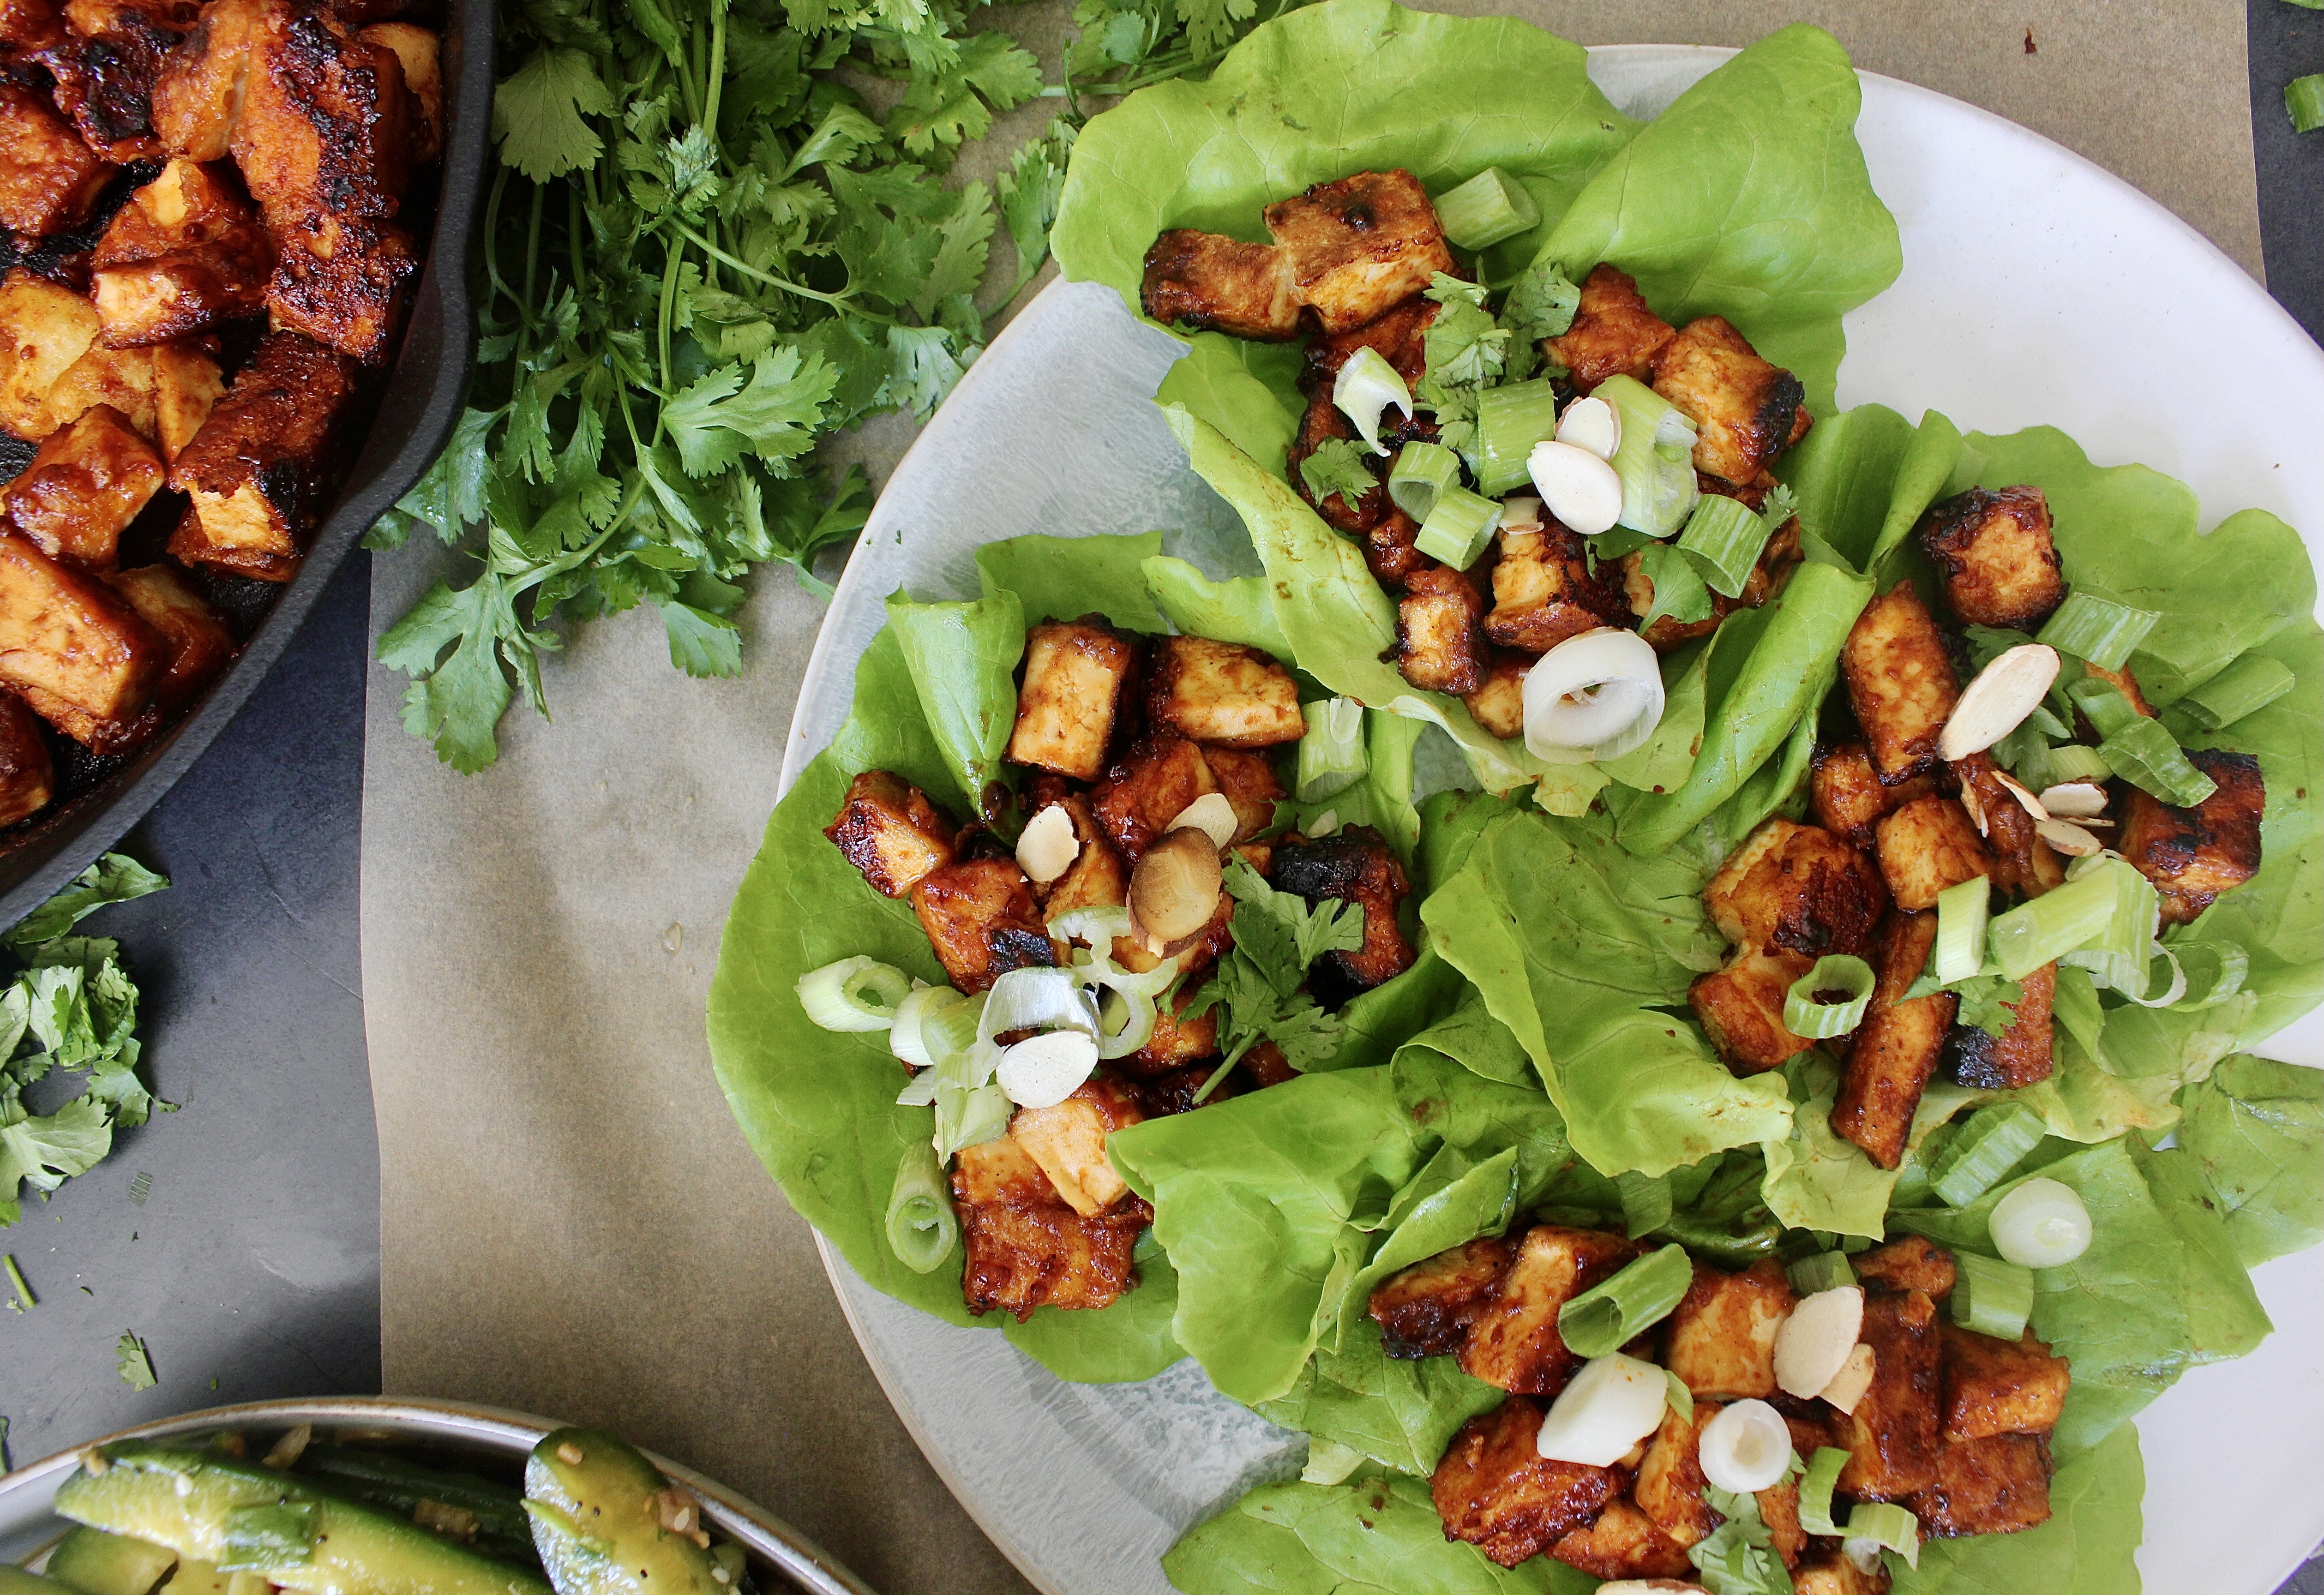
(571, 1223)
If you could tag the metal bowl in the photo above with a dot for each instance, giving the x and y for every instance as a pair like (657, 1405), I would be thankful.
(784, 1558)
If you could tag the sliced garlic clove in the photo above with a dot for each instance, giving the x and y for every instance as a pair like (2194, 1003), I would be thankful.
(1047, 847)
(1576, 486)
(1591, 424)
(2025, 800)
(1612, 1405)
(2075, 800)
(1212, 813)
(2068, 838)
(1997, 702)
(1042, 1071)
(1853, 1379)
(1813, 1344)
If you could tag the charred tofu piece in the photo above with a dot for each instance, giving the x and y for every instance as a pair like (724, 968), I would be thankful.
(1740, 1007)
(266, 462)
(199, 644)
(2194, 854)
(1425, 1310)
(2022, 861)
(45, 330)
(419, 54)
(71, 644)
(1668, 633)
(1151, 787)
(27, 25)
(1075, 673)
(1440, 633)
(1845, 795)
(1998, 1386)
(185, 253)
(1828, 1572)
(1354, 865)
(1499, 705)
(1392, 547)
(1745, 412)
(1000, 1171)
(28, 775)
(1068, 1141)
(1223, 693)
(1891, 1436)
(981, 920)
(2020, 1056)
(1911, 1263)
(1614, 333)
(888, 829)
(1721, 1337)
(1998, 1485)
(1928, 845)
(1995, 558)
(1623, 1543)
(1779, 1509)
(1178, 1042)
(1798, 887)
(1669, 1486)
(1025, 1252)
(1249, 783)
(48, 178)
(1900, 682)
(1896, 1048)
(1493, 1489)
(1544, 591)
(1399, 336)
(1211, 282)
(1371, 507)
(83, 487)
(1513, 1343)
(187, 386)
(104, 68)
(198, 92)
(343, 287)
(1359, 246)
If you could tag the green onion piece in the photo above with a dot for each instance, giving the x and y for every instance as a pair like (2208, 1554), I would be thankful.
(904, 1038)
(2072, 762)
(1331, 753)
(2097, 629)
(1804, 1015)
(922, 1228)
(1609, 1316)
(2303, 101)
(1679, 1399)
(1658, 493)
(1510, 419)
(1962, 911)
(1646, 1203)
(2059, 921)
(2118, 957)
(1457, 530)
(969, 1116)
(2049, 725)
(1421, 471)
(2149, 757)
(2103, 705)
(2245, 688)
(1887, 1526)
(1489, 207)
(1990, 1296)
(853, 994)
(948, 1032)
(2216, 971)
(1816, 1488)
(1724, 536)
(1823, 1270)
(1981, 1154)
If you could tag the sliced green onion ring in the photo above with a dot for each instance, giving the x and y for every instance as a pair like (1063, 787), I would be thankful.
(1035, 998)
(1681, 1400)
(1489, 207)
(1964, 911)
(1724, 537)
(1612, 1314)
(1819, 1271)
(2040, 1224)
(1510, 419)
(2058, 921)
(1887, 1526)
(1645, 1202)
(1981, 1153)
(1332, 756)
(948, 1034)
(922, 1228)
(904, 1038)
(2174, 981)
(2149, 757)
(1367, 385)
(1805, 1015)
(919, 1091)
(1422, 472)
(2096, 629)
(853, 994)
(2216, 971)
(1458, 528)
(2304, 102)
(1658, 493)
(1746, 1449)
(1991, 1297)
(1815, 1490)
(2245, 688)
(969, 1116)
(2120, 957)
(2071, 762)
(1593, 696)
(2103, 705)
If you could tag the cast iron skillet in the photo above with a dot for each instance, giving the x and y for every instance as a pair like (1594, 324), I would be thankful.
(414, 416)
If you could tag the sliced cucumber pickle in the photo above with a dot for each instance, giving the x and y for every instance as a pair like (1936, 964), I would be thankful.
(606, 1522)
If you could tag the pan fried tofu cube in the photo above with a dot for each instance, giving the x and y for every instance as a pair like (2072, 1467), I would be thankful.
(1797, 888)
(1391, 545)
(1210, 280)
(1249, 783)
(343, 287)
(1623, 1543)
(1399, 336)
(198, 92)
(418, 52)
(198, 642)
(2022, 861)
(185, 253)
(120, 378)
(1495, 1490)
(2194, 854)
(83, 487)
(30, 24)
(1223, 693)
(1998, 1386)
(1322, 422)
(888, 829)
(1745, 412)
(1741, 1008)
(71, 640)
(1614, 333)
(1359, 246)
(1544, 591)
(1355, 865)
(186, 388)
(28, 775)
(48, 178)
(1896, 1047)
(327, 127)
(1998, 1485)
(1097, 877)
(1177, 1042)
(1828, 1572)
(1027, 1255)
(1911, 1263)
(44, 329)
(262, 468)
(1425, 1310)
(1928, 845)
(1721, 1339)
(1900, 682)
(1440, 633)
(1067, 1139)
(981, 920)
(1779, 1509)
(1001, 1170)
(2020, 1056)
(1847, 797)
(1891, 1436)
(1075, 672)
(1514, 1341)
(1151, 787)
(1669, 1486)
(1995, 558)
(1499, 705)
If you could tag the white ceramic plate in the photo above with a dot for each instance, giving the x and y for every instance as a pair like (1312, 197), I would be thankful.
(2036, 288)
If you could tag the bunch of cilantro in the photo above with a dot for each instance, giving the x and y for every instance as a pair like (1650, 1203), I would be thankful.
(703, 252)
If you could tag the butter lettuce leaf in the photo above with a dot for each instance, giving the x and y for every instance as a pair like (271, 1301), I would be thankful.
(2257, 1127)
(2096, 1519)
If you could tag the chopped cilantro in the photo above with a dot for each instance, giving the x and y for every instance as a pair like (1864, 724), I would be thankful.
(1277, 937)
(1680, 591)
(1337, 465)
(1541, 304)
(130, 1357)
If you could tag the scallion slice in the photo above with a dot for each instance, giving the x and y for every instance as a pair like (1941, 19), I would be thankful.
(1609, 1315)
(1991, 1297)
(970, 1115)
(1489, 207)
(1964, 911)
(1805, 1014)
(2304, 102)
(2042, 1223)
(1981, 1156)
(1365, 388)
(2059, 921)
(1037, 1000)
(1680, 1399)
(1823, 1270)
(904, 1038)
(1421, 471)
(853, 994)
(1887, 1526)
(2103, 705)
(1458, 528)
(1510, 420)
(2097, 629)
(2148, 757)
(2117, 958)
(2073, 763)
(1331, 755)
(1724, 537)
(922, 1228)
(2245, 688)
(2215, 972)
(1646, 1203)
(1658, 492)
(1815, 1490)
(949, 1031)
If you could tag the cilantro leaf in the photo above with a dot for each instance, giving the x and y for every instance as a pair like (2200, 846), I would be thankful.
(942, 108)
(134, 1364)
(114, 878)
(1541, 303)
(1464, 346)
(774, 415)
(1337, 467)
(1029, 190)
(538, 111)
(1680, 591)
(45, 1152)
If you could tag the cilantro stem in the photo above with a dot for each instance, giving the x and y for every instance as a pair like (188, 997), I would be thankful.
(532, 241)
(491, 238)
(671, 263)
(836, 300)
(717, 75)
(23, 1291)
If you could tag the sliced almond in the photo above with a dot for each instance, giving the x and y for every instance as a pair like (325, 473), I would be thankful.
(1813, 1344)
(1853, 1379)
(2075, 800)
(2068, 838)
(2025, 800)
(1576, 486)
(1997, 702)
(1975, 805)
(1591, 424)
(1047, 847)
(1212, 813)
(1174, 889)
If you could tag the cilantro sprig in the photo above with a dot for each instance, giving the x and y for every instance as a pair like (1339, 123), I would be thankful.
(1278, 936)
